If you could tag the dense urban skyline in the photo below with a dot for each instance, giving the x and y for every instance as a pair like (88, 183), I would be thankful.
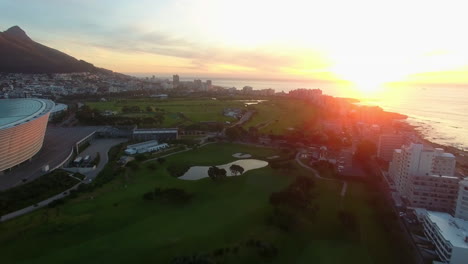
(370, 44)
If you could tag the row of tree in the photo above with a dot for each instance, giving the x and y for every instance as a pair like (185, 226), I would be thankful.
(92, 116)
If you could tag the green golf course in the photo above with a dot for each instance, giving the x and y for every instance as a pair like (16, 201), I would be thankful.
(114, 224)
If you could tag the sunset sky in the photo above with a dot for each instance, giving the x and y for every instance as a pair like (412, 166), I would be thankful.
(365, 42)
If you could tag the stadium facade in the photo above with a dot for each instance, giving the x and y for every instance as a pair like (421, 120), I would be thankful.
(23, 123)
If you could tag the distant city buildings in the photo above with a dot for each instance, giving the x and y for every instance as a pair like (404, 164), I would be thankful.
(209, 85)
(425, 177)
(247, 89)
(53, 86)
(198, 85)
(175, 81)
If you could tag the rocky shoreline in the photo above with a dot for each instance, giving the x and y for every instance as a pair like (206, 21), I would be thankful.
(461, 155)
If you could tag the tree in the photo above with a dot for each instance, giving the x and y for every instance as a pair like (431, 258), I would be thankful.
(216, 173)
(365, 150)
(236, 169)
(234, 133)
(293, 205)
(149, 109)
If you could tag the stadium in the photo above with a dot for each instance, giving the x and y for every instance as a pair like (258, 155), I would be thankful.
(23, 123)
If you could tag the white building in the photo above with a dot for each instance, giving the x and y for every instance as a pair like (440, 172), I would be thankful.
(148, 146)
(448, 234)
(424, 177)
(387, 144)
(461, 210)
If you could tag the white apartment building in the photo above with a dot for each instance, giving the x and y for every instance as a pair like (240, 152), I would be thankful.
(461, 210)
(448, 234)
(387, 144)
(424, 177)
(433, 192)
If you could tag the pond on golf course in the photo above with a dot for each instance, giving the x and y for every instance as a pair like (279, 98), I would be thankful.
(200, 172)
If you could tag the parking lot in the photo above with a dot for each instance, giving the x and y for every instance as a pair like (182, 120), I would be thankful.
(58, 143)
(101, 146)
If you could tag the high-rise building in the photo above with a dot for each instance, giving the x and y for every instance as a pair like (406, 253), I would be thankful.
(198, 85)
(209, 85)
(461, 210)
(443, 163)
(387, 144)
(424, 177)
(175, 81)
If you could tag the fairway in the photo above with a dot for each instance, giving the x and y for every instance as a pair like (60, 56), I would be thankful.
(113, 224)
(281, 115)
(192, 110)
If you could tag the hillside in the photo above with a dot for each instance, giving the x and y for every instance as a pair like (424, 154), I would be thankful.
(20, 54)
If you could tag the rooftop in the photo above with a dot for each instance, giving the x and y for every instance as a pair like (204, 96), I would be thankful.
(17, 111)
(454, 230)
(144, 144)
(154, 130)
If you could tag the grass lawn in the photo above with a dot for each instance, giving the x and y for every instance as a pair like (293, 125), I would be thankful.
(196, 110)
(277, 116)
(113, 224)
(35, 191)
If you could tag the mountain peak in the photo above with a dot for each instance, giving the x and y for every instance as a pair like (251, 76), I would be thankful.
(16, 31)
(20, 54)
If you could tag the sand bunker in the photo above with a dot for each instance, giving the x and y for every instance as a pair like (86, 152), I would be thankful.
(273, 157)
(242, 155)
(200, 172)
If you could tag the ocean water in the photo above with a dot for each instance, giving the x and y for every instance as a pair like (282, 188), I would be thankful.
(439, 112)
